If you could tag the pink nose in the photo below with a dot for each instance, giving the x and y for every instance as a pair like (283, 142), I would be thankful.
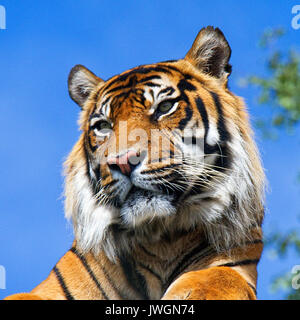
(126, 163)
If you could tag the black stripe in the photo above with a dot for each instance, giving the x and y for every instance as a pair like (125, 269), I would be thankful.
(255, 241)
(110, 184)
(148, 252)
(187, 260)
(97, 173)
(131, 83)
(88, 140)
(166, 260)
(182, 86)
(152, 94)
(174, 165)
(186, 85)
(252, 287)
(63, 284)
(150, 271)
(113, 285)
(149, 78)
(105, 101)
(158, 160)
(94, 183)
(224, 160)
(138, 70)
(96, 99)
(170, 176)
(139, 100)
(202, 110)
(152, 84)
(208, 149)
(138, 107)
(173, 68)
(90, 272)
(240, 263)
(118, 99)
(94, 115)
(86, 155)
(183, 122)
(105, 176)
(223, 132)
(134, 278)
(191, 140)
(168, 90)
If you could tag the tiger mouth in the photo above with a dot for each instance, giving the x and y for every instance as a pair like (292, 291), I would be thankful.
(136, 193)
(140, 192)
(143, 206)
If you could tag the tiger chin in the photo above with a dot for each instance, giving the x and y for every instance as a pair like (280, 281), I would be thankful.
(173, 217)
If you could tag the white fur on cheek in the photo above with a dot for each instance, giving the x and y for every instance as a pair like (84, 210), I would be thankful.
(90, 219)
(212, 136)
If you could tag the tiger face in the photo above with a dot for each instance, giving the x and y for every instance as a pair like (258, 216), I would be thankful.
(166, 142)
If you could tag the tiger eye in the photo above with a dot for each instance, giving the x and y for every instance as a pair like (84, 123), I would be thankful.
(165, 106)
(103, 125)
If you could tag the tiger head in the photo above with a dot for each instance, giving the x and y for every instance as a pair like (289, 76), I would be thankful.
(165, 147)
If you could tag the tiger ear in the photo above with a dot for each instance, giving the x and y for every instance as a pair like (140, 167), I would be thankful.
(210, 53)
(81, 83)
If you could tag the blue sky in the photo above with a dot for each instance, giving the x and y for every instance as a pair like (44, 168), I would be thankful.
(44, 40)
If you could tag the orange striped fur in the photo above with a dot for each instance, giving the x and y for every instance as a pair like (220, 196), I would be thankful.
(176, 223)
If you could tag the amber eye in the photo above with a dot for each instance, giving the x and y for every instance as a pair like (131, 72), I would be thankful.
(165, 106)
(102, 126)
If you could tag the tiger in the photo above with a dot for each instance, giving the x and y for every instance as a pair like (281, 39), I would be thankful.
(174, 218)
